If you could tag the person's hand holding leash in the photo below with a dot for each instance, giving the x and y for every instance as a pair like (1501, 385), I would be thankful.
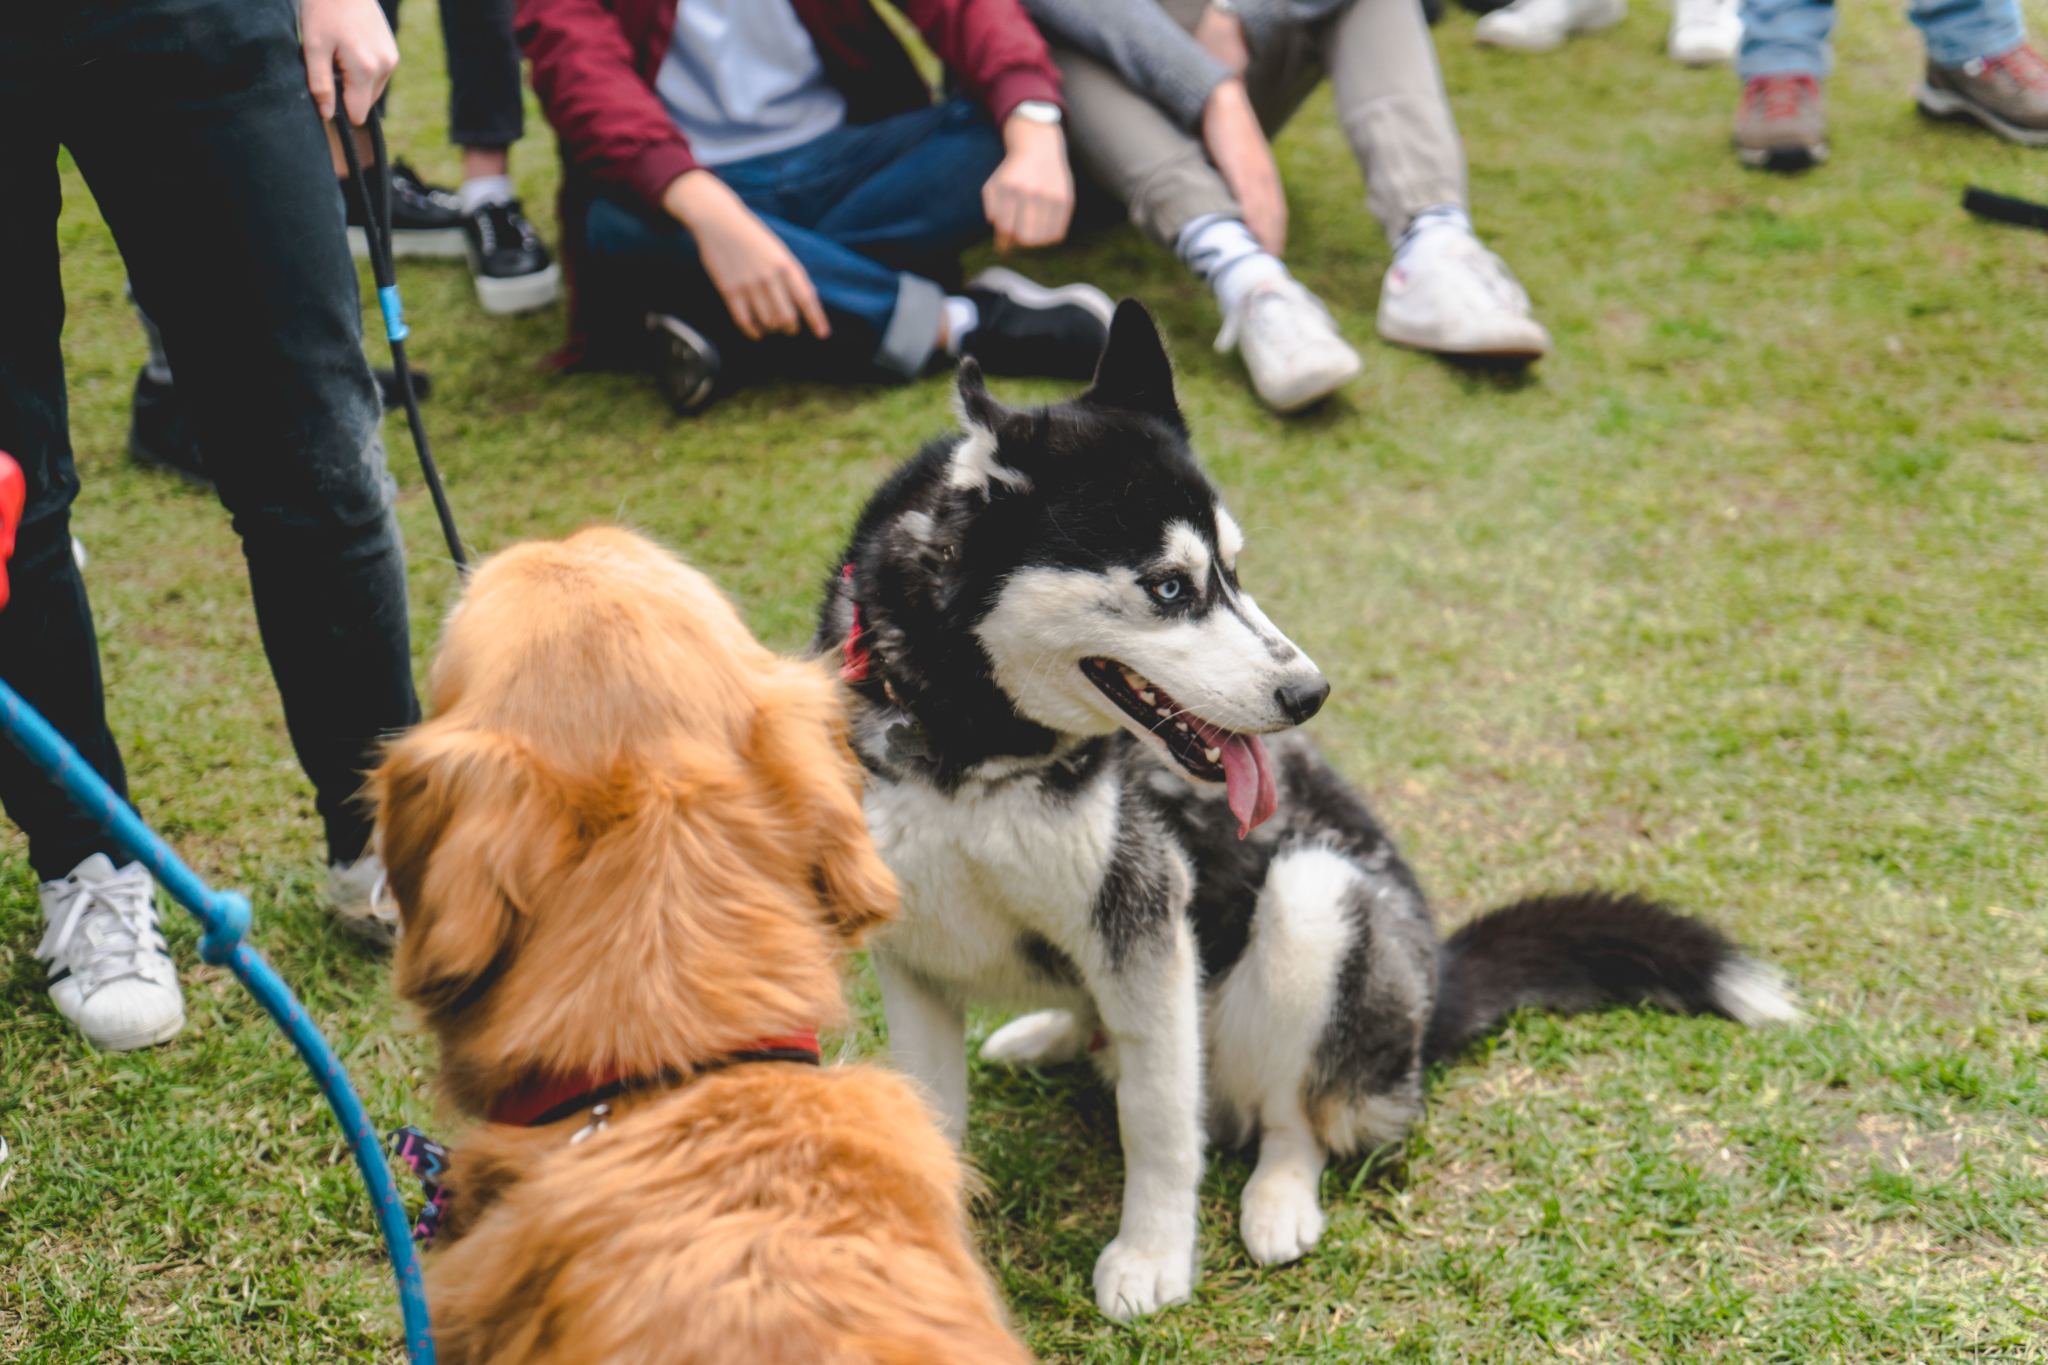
(1030, 198)
(1239, 148)
(765, 287)
(349, 36)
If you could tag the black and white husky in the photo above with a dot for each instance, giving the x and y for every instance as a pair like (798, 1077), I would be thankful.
(1060, 689)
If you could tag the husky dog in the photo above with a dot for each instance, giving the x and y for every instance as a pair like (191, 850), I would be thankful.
(1059, 691)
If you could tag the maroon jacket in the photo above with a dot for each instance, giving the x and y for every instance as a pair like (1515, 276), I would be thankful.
(595, 61)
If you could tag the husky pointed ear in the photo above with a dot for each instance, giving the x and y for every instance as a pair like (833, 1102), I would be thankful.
(1134, 373)
(978, 461)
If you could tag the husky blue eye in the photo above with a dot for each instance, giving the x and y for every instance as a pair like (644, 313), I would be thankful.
(1168, 590)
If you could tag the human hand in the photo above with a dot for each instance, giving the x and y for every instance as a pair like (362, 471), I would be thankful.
(1239, 148)
(1223, 35)
(350, 35)
(1030, 199)
(764, 287)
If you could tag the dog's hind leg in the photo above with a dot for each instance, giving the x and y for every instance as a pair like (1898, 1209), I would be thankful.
(927, 1039)
(1046, 1038)
(1267, 1016)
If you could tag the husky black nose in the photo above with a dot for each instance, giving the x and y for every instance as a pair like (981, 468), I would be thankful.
(1301, 700)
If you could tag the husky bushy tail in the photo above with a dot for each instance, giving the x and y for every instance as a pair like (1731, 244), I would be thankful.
(1587, 949)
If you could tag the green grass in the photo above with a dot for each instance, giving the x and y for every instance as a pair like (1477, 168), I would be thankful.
(1739, 598)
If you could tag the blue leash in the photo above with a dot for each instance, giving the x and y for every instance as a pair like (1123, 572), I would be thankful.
(225, 917)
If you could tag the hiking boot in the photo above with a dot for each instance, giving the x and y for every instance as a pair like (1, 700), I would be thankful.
(110, 970)
(1290, 345)
(2007, 94)
(159, 434)
(1783, 123)
(1539, 25)
(361, 902)
(426, 220)
(685, 363)
(1705, 32)
(1447, 293)
(512, 269)
(1028, 329)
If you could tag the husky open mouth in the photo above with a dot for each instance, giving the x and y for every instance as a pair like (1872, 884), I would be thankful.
(1208, 752)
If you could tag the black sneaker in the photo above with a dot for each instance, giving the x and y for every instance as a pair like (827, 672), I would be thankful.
(686, 364)
(160, 435)
(426, 220)
(512, 268)
(1026, 328)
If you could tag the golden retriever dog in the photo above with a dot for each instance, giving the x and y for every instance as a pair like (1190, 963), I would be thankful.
(628, 854)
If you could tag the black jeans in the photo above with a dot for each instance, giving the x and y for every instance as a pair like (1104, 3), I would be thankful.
(191, 123)
(484, 88)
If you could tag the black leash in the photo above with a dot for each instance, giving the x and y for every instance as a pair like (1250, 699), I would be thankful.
(377, 217)
(2005, 209)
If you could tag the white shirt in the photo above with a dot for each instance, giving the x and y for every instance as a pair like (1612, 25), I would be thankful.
(742, 79)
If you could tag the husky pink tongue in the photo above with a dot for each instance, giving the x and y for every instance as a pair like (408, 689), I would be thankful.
(1248, 779)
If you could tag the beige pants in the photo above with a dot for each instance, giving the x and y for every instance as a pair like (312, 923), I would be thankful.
(1390, 102)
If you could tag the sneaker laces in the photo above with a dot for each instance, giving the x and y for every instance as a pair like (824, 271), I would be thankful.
(2022, 66)
(1780, 95)
(117, 918)
(1272, 301)
(1689, 13)
(1481, 265)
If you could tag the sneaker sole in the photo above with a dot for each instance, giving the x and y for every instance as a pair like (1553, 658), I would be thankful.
(518, 293)
(432, 243)
(1947, 104)
(1011, 285)
(1783, 158)
(128, 1042)
(675, 335)
(1701, 56)
(1310, 390)
(1522, 352)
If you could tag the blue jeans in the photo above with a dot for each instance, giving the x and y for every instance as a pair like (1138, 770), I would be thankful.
(1791, 36)
(858, 208)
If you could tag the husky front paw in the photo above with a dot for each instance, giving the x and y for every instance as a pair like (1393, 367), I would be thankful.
(1282, 1218)
(1132, 1281)
(1047, 1038)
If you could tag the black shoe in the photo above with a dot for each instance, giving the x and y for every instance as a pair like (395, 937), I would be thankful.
(1026, 328)
(512, 269)
(160, 435)
(426, 220)
(686, 364)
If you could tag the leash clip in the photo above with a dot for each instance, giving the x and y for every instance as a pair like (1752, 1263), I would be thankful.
(598, 1114)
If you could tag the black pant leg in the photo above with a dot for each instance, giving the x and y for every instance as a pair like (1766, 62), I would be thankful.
(195, 130)
(485, 106)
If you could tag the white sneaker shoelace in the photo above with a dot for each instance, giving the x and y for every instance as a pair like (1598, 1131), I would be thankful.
(105, 931)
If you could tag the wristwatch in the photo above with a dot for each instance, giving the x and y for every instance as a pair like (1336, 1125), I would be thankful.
(1039, 111)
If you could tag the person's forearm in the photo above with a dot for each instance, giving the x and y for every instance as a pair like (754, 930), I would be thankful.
(1140, 42)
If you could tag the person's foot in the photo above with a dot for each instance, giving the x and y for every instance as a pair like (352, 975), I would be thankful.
(1705, 32)
(361, 901)
(1447, 293)
(685, 363)
(1539, 25)
(1290, 345)
(160, 435)
(426, 220)
(2007, 94)
(1028, 329)
(111, 972)
(511, 265)
(1782, 124)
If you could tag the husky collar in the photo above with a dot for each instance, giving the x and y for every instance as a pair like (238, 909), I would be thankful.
(855, 669)
(550, 1099)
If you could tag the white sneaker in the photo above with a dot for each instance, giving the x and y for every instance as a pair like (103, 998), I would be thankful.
(361, 900)
(1704, 32)
(1447, 293)
(1539, 25)
(1290, 343)
(110, 970)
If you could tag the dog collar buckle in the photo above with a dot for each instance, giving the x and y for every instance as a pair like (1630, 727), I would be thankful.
(598, 1114)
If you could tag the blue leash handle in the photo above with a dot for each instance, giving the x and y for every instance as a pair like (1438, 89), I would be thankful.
(224, 915)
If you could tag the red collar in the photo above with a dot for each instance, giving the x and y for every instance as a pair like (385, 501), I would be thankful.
(549, 1099)
(855, 669)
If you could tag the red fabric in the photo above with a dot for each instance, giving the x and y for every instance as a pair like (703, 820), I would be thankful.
(594, 64)
(855, 669)
(13, 493)
(522, 1104)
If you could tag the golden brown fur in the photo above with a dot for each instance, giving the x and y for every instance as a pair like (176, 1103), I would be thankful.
(631, 840)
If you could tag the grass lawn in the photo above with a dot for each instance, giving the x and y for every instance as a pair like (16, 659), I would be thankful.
(1740, 598)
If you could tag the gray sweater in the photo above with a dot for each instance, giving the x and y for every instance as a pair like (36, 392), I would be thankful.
(1156, 56)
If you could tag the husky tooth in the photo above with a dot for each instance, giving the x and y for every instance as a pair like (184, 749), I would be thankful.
(1145, 695)
(1212, 754)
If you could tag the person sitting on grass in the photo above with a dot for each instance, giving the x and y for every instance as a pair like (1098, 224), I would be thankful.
(766, 187)
(1979, 66)
(1170, 103)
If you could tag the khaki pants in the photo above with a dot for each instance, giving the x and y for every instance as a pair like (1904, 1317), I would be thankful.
(1390, 102)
